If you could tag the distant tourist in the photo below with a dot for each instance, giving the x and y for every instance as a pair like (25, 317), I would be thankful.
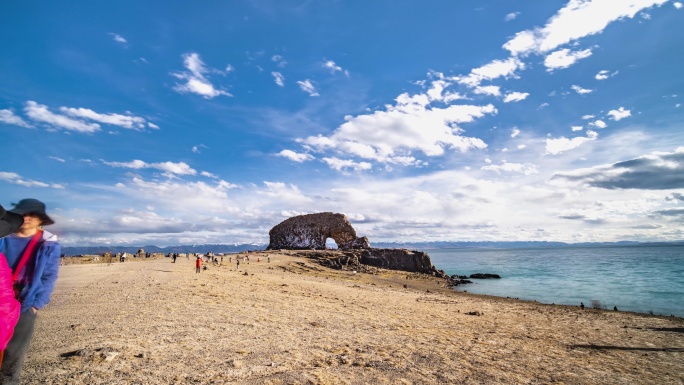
(33, 255)
(198, 264)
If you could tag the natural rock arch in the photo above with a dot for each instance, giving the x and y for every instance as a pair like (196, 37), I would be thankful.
(311, 231)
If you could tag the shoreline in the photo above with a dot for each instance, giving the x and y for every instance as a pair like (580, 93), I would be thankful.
(292, 321)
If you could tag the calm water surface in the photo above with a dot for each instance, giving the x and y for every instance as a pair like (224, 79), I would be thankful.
(641, 279)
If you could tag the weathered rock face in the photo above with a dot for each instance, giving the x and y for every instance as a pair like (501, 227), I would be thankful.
(312, 230)
(400, 259)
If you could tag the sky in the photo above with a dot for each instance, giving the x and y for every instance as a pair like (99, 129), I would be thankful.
(174, 123)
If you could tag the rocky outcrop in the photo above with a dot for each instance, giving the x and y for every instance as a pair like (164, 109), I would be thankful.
(310, 232)
(400, 259)
(306, 232)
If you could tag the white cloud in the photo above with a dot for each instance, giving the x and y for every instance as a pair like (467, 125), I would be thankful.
(512, 16)
(152, 125)
(515, 97)
(308, 87)
(195, 81)
(525, 169)
(492, 70)
(598, 124)
(389, 136)
(577, 128)
(605, 74)
(294, 156)
(17, 179)
(278, 78)
(8, 117)
(580, 90)
(118, 38)
(562, 144)
(619, 114)
(169, 168)
(587, 117)
(57, 159)
(209, 175)
(678, 5)
(229, 68)
(279, 59)
(126, 121)
(341, 165)
(578, 19)
(487, 90)
(329, 64)
(40, 113)
(198, 149)
(564, 58)
(515, 132)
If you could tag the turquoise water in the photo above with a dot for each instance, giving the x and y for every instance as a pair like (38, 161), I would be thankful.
(642, 279)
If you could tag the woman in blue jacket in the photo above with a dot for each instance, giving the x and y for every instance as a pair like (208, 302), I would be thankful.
(36, 279)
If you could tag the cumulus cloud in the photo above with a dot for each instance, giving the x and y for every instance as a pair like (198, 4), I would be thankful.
(308, 87)
(118, 38)
(656, 171)
(577, 128)
(487, 90)
(678, 5)
(512, 16)
(198, 149)
(343, 164)
(169, 168)
(598, 124)
(126, 121)
(564, 58)
(294, 156)
(17, 179)
(492, 70)
(388, 136)
(279, 59)
(278, 78)
(330, 65)
(605, 74)
(41, 113)
(619, 114)
(562, 144)
(580, 90)
(525, 169)
(8, 117)
(194, 78)
(578, 19)
(515, 96)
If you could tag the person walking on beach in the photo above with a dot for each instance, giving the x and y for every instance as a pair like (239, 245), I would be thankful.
(33, 255)
(10, 308)
(198, 264)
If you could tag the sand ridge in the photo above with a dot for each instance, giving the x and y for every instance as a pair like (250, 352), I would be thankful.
(291, 321)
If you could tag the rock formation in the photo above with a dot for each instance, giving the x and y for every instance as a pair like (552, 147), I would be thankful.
(309, 232)
(306, 232)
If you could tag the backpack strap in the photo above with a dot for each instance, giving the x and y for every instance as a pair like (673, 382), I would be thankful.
(27, 254)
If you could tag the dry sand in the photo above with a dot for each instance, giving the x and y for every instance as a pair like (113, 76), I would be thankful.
(291, 321)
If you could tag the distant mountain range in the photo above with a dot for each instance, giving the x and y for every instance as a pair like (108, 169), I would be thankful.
(236, 248)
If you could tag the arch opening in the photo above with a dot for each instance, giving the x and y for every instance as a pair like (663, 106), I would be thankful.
(330, 244)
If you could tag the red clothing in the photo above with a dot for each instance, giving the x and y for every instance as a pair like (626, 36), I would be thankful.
(9, 306)
(198, 262)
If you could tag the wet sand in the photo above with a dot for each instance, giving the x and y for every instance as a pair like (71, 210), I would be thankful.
(292, 321)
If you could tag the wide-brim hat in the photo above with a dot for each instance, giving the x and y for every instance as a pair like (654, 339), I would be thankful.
(9, 222)
(32, 206)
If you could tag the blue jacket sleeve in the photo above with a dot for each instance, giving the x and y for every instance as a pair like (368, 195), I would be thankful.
(49, 276)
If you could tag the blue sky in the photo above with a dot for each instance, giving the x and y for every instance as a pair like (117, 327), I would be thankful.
(167, 123)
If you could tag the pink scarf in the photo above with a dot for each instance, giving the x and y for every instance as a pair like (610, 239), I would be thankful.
(9, 306)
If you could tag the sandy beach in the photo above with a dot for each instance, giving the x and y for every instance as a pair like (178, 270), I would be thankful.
(292, 321)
